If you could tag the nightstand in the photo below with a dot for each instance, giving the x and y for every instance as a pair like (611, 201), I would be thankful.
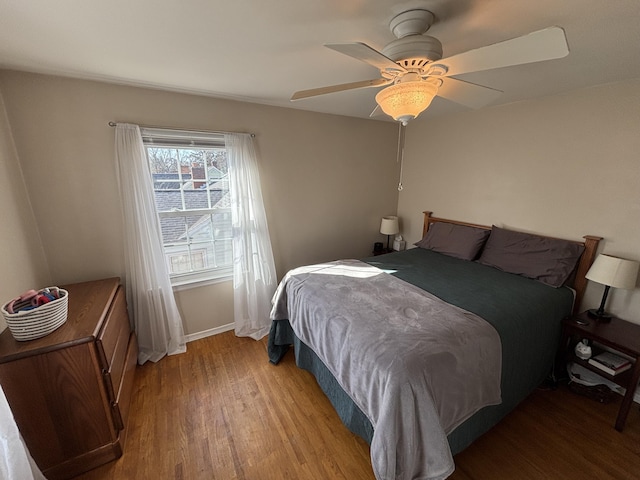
(618, 335)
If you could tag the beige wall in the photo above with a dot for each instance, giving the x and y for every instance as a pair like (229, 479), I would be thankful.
(326, 179)
(565, 166)
(22, 261)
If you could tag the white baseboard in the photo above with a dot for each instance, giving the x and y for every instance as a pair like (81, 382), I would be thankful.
(207, 333)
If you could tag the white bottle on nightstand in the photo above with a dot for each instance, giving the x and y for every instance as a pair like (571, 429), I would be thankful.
(399, 243)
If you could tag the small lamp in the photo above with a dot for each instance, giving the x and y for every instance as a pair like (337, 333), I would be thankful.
(611, 272)
(389, 226)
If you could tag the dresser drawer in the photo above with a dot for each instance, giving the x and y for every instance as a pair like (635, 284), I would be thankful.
(112, 343)
(120, 407)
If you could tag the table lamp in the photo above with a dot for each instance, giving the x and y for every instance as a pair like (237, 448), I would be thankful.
(614, 272)
(388, 227)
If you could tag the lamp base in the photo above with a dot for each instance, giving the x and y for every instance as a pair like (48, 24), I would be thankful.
(600, 316)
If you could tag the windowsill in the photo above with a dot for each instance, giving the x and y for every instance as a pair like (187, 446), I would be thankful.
(189, 284)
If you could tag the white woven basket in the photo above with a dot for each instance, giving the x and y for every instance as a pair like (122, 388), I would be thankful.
(41, 321)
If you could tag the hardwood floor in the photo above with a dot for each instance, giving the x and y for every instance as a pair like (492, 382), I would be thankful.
(222, 411)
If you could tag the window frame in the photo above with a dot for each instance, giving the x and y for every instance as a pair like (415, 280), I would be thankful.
(190, 140)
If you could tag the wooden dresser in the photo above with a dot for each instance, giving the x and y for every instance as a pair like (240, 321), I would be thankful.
(70, 391)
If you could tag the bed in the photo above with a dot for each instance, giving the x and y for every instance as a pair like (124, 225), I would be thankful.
(424, 350)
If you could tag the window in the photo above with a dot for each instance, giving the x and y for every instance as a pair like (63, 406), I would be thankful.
(191, 190)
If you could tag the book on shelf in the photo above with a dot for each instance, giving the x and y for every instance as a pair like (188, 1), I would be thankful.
(610, 363)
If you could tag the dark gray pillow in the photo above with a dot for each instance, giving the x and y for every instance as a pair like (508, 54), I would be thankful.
(454, 240)
(548, 260)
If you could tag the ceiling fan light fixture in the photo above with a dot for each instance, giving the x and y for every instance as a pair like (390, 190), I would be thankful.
(404, 101)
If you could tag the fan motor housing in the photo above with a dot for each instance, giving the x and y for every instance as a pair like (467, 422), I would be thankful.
(414, 51)
(411, 22)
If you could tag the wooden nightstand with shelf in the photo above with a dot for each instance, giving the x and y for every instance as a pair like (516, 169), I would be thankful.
(618, 335)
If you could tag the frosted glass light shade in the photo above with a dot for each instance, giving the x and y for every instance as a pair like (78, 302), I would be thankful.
(404, 101)
(614, 272)
(389, 225)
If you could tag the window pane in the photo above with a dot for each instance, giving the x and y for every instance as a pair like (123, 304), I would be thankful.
(179, 264)
(198, 227)
(163, 161)
(173, 229)
(188, 179)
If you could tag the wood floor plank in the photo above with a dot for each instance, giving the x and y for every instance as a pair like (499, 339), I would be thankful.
(222, 411)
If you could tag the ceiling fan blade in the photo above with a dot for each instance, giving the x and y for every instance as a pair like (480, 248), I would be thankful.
(378, 82)
(364, 53)
(467, 94)
(542, 45)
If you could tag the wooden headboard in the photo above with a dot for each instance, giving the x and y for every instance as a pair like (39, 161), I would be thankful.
(590, 244)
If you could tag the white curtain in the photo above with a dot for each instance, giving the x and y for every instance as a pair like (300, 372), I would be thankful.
(156, 318)
(15, 459)
(254, 272)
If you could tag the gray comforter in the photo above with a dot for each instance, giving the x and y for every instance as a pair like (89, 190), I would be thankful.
(416, 366)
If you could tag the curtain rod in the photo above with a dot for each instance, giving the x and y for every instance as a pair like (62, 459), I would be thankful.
(253, 135)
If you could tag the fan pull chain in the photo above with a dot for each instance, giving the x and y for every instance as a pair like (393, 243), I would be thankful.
(400, 153)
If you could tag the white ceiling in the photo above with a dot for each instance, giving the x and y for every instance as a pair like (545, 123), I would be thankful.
(263, 50)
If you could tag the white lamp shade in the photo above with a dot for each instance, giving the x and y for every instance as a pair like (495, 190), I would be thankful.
(613, 271)
(389, 225)
(405, 101)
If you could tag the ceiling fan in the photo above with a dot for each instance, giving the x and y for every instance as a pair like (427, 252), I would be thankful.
(413, 71)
